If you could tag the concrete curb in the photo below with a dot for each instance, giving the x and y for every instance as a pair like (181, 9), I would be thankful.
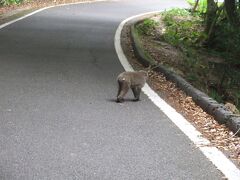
(209, 105)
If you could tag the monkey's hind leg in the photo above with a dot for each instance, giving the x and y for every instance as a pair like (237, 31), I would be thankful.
(136, 92)
(123, 88)
(119, 88)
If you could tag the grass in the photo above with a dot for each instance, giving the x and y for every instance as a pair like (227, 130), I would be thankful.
(9, 2)
(147, 27)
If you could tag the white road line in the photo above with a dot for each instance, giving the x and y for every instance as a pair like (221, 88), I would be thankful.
(212, 153)
(39, 10)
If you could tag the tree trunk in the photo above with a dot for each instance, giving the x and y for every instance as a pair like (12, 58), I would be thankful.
(210, 19)
(231, 11)
(195, 6)
(212, 28)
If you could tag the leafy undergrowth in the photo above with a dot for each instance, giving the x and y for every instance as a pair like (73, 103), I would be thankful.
(9, 2)
(174, 38)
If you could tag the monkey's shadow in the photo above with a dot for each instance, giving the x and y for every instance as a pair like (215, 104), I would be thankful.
(125, 100)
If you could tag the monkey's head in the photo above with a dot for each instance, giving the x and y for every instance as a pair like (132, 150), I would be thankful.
(145, 73)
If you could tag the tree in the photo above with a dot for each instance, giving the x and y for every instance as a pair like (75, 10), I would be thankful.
(231, 11)
(195, 6)
(210, 20)
(215, 14)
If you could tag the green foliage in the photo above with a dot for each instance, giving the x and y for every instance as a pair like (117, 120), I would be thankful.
(181, 27)
(169, 15)
(9, 2)
(185, 29)
(227, 42)
(202, 5)
(147, 27)
(215, 95)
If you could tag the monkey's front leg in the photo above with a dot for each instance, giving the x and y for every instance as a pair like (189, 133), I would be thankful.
(136, 92)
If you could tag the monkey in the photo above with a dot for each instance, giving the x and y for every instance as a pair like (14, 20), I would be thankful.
(134, 80)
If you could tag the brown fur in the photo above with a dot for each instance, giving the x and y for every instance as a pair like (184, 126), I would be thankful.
(133, 80)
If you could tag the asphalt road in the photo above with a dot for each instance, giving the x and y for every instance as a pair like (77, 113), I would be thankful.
(58, 118)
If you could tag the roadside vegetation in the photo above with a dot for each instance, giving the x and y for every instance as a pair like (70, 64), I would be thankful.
(206, 39)
(9, 2)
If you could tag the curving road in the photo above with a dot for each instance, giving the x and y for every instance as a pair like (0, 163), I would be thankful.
(58, 119)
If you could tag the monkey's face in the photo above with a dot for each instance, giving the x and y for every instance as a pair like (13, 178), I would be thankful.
(145, 73)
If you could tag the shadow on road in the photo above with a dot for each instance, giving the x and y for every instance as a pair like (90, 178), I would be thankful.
(125, 100)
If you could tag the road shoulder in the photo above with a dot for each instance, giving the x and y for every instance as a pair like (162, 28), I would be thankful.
(194, 135)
